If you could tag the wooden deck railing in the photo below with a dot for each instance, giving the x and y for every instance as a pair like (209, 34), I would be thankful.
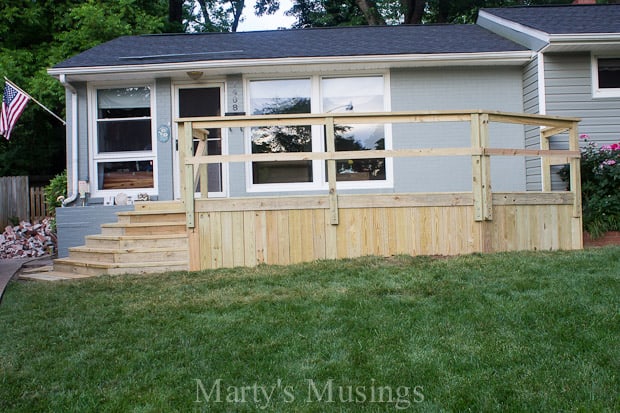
(194, 165)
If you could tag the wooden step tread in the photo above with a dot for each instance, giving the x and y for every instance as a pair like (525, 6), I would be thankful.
(52, 276)
(125, 250)
(98, 264)
(150, 212)
(142, 224)
(158, 205)
(136, 237)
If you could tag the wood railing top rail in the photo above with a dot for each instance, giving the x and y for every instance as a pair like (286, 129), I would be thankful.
(378, 117)
(478, 149)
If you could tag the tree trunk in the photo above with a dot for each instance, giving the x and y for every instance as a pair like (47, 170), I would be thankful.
(237, 7)
(414, 11)
(175, 11)
(205, 13)
(369, 9)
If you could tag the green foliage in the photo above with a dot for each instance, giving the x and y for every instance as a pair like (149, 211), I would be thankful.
(600, 183)
(57, 188)
(39, 34)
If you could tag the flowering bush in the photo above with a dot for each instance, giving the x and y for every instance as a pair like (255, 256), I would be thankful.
(600, 186)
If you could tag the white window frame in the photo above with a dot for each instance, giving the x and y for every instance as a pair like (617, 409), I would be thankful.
(598, 92)
(94, 157)
(318, 166)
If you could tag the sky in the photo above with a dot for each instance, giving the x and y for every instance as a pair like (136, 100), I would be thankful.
(271, 22)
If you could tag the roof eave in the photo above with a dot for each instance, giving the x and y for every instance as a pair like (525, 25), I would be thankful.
(511, 24)
(411, 60)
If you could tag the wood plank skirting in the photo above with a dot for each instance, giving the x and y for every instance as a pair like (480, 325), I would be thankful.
(290, 229)
(253, 231)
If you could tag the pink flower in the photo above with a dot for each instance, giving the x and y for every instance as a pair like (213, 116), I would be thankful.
(584, 136)
(608, 162)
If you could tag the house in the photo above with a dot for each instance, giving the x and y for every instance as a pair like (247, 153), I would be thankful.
(415, 110)
(575, 68)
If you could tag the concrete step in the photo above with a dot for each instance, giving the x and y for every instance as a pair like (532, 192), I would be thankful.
(133, 241)
(144, 228)
(94, 268)
(128, 255)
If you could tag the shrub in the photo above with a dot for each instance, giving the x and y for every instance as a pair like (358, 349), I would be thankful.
(600, 186)
(55, 192)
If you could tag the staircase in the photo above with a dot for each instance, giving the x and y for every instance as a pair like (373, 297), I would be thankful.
(150, 239)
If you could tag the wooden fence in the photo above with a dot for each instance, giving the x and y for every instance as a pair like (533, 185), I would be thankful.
(38, 208)
(20, 202)
(283, 230)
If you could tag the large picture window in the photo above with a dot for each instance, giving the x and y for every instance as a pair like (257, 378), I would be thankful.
(317, 95)
(123, 143)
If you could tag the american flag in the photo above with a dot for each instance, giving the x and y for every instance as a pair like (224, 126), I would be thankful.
(13, 104)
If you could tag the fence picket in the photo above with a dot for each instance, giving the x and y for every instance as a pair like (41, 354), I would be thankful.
(13, 199)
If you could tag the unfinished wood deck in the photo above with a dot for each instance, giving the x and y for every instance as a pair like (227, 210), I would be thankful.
(282, 230)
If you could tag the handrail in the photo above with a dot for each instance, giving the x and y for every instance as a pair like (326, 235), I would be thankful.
(479, 149)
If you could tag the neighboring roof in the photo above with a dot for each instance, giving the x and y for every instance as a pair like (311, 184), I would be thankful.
(305, 43)
(567, 19)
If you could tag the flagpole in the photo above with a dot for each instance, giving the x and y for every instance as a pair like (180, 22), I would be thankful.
(35, 101)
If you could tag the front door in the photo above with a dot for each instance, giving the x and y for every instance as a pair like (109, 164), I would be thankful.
(201, 101)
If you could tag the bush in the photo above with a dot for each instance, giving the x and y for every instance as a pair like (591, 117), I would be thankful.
(55, 192)
(600, 183)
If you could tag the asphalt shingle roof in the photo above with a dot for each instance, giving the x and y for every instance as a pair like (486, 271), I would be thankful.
(568, 19)
(325, 42)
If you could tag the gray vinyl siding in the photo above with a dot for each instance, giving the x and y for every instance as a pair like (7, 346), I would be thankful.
(163, 113)
(83, 158)
(568, 90)
(236, 137)
(424, 89)
(532, 133)
(495, 88)
(569, 93)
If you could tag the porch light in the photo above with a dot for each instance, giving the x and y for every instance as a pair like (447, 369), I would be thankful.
(195, 74)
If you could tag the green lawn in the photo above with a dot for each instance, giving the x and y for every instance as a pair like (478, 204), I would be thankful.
(520, 332)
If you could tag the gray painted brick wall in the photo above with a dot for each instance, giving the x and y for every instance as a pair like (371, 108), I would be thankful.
(74, 223)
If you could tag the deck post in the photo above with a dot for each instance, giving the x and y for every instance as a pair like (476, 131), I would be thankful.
(481, 168)
(545, 173)
(331, 171)
(187, 174)
(575, 186)
(201, 170)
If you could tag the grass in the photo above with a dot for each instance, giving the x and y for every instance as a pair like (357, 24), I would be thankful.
(502, 332)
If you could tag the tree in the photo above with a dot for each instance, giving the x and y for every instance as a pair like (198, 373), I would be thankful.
(37, 35)
(320, 13)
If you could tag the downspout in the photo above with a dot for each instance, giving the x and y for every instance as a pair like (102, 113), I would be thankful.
(74, 141)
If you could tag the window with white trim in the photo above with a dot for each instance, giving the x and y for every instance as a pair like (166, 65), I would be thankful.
(316, 94)
(356, 94)
(123, 156)
(271, 97)
(606, 76)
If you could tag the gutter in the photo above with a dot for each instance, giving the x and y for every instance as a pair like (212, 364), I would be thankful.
(74, 141)
(408, 60)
